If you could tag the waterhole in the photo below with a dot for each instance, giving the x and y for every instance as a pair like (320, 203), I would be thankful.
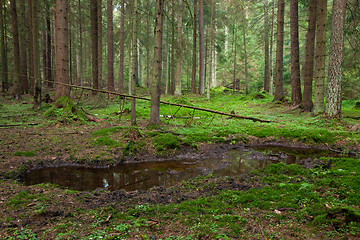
(144, 175)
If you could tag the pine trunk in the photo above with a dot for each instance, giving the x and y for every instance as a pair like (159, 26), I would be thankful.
(122, 44)
(155, 83)
(266, 40)
(335, 73)
(16, 50)
(110, 43)
(307, 103)
(94, 43)
(201, 48)
(100, 50)
(22, 41)
(4, 66)
(194, 54)
(295, 64)
(178, 49)
(61, 48)
(319, 65)
(279, 89)
(134, 63)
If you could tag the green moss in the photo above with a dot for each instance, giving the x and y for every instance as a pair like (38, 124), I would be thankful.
(105, 141)
(167, 141)
(107, 131)
(25, 154)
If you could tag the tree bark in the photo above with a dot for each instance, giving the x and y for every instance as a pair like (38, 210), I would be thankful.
(211, 49)
(100, 50)
(295, 64)
(24, 82)
(194, 54)
(94, 43)
(271, 85)
(4, 65)
(61, 48)
(319, 65)
(335, 73)
(47, 50)
(178, 49)
(201, 48)
(266, 40)
(307, 103)
(147, 79)
(134, 63)
(16, 51)
(279, 89)
(110, 43)
(155, 83)
(245, 51)
(122, 44)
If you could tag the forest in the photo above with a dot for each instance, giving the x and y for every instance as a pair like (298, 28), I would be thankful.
(187, 119)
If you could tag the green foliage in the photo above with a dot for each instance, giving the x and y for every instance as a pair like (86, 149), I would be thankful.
(64, 109)
(105, 141)
(167, 141)
(25, 154)
(107, 131)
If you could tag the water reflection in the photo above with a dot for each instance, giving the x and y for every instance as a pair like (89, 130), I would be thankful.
(143, 176)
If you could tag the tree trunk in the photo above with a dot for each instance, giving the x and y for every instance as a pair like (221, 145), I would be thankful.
(319, 65)
(266, 40)
(110, 35)
(271, 85)
(178, 49)
(194, 58)
(47, 50)
(307, 103)
(61, 48)
(245, 52)
(100, 50)
(14, 25)
(22, 41)
(172, 64)
(335, 73)
(94, 43)
(155, 83)
(4, 66)
(211, 49)
(279, 89)
(147, 80)
(80, 47)
(122, 44)
(134, 63)
(235, 52)
(295, 65)
(30, 47)
(201, 48)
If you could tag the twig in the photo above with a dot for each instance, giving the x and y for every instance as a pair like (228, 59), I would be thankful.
(18, 125)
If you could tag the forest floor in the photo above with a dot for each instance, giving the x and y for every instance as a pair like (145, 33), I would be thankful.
(278, 202)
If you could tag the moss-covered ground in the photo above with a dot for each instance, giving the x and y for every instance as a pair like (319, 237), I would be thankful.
(278, 202)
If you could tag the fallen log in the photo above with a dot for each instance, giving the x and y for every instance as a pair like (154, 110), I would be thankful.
(172, 104)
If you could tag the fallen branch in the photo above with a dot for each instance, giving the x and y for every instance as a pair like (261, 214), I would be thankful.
(18, 125)
(172, 104)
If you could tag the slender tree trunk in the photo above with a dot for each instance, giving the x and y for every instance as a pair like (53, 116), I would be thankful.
(155, 83)
(110, 35)
(211, 49)
(14, 25)
(134, 63)
(4, 66)
(61, 48)
(319, 65)
(266, 40)
(80, 61)
(172, 65)
(194, 58)
(295, 65)
(235, 52)
(100, 49)
(271, 85)
(147, 80)
(201, 48)
(22, 41)
(178, 49)
(279, 89)
(245, 52)
(122, 44)
(30, 47)
(34, 30)
(335, 73)
(47, 51)
(307, 103)
(94, 43)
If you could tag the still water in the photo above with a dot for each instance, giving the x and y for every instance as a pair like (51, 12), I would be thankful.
(142, 176)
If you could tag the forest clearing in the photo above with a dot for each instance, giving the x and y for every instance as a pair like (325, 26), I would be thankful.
(278, 201)
(180, 119)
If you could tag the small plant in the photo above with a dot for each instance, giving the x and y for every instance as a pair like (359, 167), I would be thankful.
(25, 154)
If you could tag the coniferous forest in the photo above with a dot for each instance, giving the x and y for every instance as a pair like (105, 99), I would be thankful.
(112, 113)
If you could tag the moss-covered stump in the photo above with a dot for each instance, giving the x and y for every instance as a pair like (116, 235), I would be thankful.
(65, 109)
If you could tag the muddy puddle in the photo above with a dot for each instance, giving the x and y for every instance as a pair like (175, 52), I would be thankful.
(142, 176)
